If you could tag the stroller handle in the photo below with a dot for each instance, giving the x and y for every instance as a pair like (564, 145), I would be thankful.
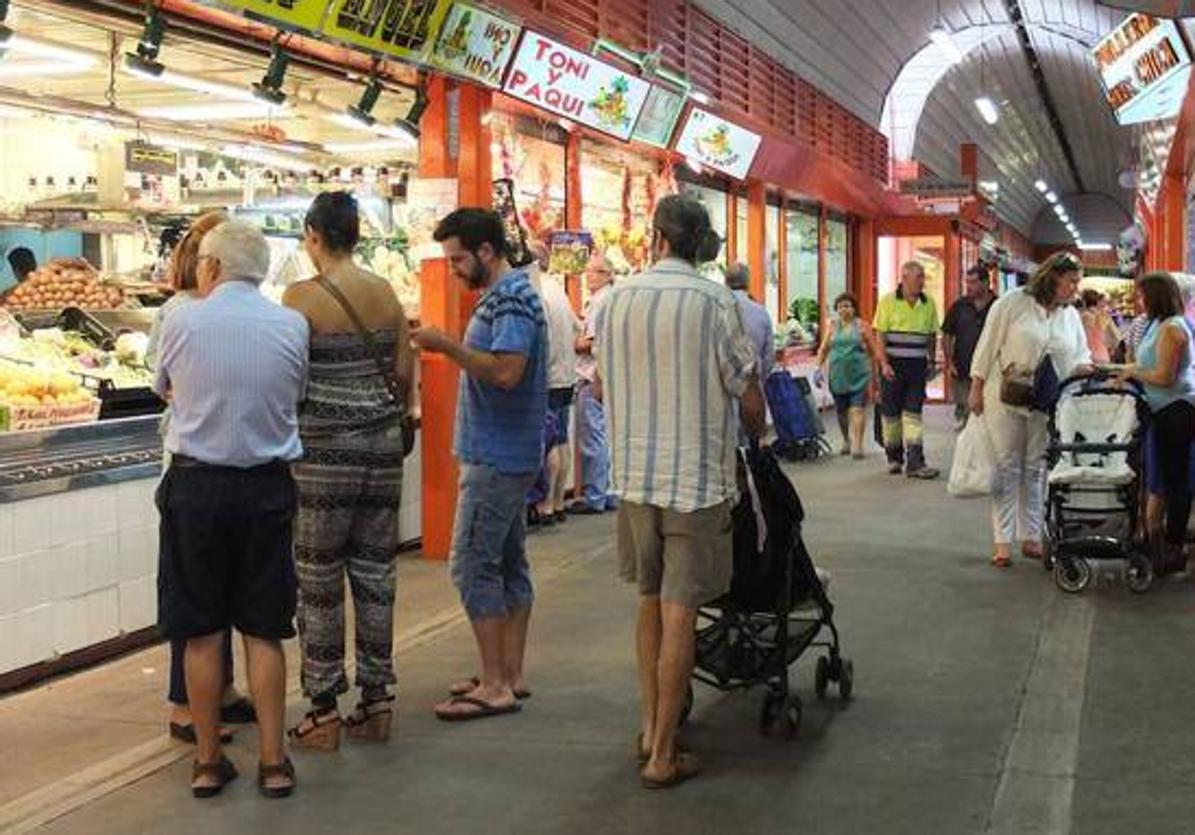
(1099, 381)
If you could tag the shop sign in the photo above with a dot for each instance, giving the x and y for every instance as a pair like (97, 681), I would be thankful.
(719, 144)
(398, 28)
(935, 189)
(577, 86)
(1144, 66)
(304, 15)
(569, 252)
(660, 114)
(475, 44)
(143, 158)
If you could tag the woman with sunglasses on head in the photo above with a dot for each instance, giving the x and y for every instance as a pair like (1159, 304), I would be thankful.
(182, 273)
(1026, 329)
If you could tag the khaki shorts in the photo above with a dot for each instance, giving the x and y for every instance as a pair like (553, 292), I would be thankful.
(684, 558)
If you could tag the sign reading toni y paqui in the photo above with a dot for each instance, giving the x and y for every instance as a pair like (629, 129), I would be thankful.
(476, 44)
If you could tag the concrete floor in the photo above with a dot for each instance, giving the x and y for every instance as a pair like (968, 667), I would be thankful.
(986, 701)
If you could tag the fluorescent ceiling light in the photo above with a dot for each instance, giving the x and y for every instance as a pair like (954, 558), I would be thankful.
(941, 36)
(376, 146)
(23, 45)
(264, 156)
(1095, 247)
(178, 143)
(218, 112)
(1051, 197)
(987, 109)
(389, 131)
(192, 83)
(1041, 186)
(35, 69)
(989, 185)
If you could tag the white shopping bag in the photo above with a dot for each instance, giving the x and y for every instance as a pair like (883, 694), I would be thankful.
(974, 461)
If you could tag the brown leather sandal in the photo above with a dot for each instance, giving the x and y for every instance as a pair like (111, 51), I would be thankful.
(319, 731)
(284, 769)
(223, 770)
(370, 720)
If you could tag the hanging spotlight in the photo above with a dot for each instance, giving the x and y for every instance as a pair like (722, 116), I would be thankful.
(363, 110)
(269, 89)
(145, 60)
(409, 124)
(1051, 197)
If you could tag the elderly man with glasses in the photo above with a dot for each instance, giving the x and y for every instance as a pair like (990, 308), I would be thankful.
(591, 414)
(234, 368)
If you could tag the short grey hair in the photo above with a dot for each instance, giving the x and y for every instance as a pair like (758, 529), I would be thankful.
(241, 249)
(738, 276)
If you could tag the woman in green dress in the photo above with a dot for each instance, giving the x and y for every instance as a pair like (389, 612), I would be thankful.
(848, 353)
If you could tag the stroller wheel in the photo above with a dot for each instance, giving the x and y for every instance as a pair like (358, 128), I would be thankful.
(687, 707)
(846, 680)
(1047, 556)
(821, 677)
(793, 712)
(1072, 575)
(1139, 574)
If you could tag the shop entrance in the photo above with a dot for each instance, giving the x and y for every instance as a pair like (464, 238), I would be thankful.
(930, 252)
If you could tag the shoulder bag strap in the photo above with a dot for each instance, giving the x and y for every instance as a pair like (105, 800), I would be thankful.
(371, 345)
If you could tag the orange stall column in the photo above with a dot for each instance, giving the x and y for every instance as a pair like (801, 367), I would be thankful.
(757, 235)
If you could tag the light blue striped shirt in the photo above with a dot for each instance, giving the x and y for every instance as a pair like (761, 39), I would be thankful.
(673, 359)
(235, 366)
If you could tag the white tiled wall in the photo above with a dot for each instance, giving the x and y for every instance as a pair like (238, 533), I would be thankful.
(76, 569)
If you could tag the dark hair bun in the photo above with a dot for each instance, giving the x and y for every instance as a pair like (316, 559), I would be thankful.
(335, 217)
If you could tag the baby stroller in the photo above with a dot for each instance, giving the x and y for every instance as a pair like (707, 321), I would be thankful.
(800, 433)
(1093, 494)
(777, 606)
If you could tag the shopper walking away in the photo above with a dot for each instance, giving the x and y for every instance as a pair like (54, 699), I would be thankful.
(848, 352)
(907, 322)
(1102, 333)
(673, 363)
(184, 280)
(546, 497)
(1163, 366)
(499, 422)
(960, 334)
(1025, 328)
(233, 369)
(350, 477)
(757, 322)
(591, 413)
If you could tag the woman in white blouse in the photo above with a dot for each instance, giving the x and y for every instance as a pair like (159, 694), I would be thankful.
(1023, 327)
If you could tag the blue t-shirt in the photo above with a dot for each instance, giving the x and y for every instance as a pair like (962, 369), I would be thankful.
(504, 429)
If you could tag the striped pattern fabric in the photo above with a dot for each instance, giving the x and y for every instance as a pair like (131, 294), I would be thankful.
(345, 389)
(235, 366)
(673, 358)
(504, 429)
(906, 346)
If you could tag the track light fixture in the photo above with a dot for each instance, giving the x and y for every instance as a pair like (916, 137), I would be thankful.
(145, 60)
(409, 124)
(5, 32)
(362, 111)
(269, 89)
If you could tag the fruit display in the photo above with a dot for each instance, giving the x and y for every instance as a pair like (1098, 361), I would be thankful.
(36, 398)
(68, 351)
(64, 283)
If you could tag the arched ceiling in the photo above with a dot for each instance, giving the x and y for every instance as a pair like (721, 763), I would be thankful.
(855, 50)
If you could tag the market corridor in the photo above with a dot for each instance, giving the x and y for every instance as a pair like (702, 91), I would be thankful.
(985, 701)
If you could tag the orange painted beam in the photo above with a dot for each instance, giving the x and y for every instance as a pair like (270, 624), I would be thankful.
(782, 255)
(864, 280)
(1174, 216)
(573, 208)
(757, 238)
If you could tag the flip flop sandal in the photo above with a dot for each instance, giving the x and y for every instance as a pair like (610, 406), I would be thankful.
(468, 685)
(684, 767)
(484, 710)
(186, 733)
(284, 769)
(224, 772)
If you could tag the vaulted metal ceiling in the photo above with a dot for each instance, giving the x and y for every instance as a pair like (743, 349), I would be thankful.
(855, 50)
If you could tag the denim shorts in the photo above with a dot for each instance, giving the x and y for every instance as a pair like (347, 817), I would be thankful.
(489, 556)
(851, 399)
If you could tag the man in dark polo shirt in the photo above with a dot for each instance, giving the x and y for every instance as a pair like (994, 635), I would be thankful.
(233, 368)
(960, 335)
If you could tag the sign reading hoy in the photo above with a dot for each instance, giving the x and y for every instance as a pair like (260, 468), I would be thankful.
(577, 86)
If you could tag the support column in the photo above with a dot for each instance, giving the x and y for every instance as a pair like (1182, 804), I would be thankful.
(732, 228)
(757, 239)
(573, 207)
(864, 280)
(822, 237)
(782, 237)
(1174, 216)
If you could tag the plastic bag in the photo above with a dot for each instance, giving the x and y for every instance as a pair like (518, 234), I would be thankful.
(974, 461)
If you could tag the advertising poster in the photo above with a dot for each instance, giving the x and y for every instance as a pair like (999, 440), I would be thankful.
(722, 145)
(660, 113)
(428, 200)
(569, 252)
(398, 28)
(576, 86)
(302, 15)
(475, 44)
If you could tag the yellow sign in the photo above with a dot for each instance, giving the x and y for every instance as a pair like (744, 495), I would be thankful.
(400, 28)
(305, 15)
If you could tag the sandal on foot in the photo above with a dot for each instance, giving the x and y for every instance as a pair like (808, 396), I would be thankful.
(371, 719)
(1032, 550)
(224, 772)
(1001, 562)
(684, 767)
(186, 733)
(284, 769)
(466, 686)
(643, 756)
(484, 709)
(319, 731)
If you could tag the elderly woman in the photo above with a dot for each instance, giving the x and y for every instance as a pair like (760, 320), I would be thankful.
(184, 282)
(848, 352)
(1025, 328)
(350, 477)
(1163, 367)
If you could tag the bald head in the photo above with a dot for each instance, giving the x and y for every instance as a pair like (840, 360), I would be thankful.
(598, 273)
(738, 277)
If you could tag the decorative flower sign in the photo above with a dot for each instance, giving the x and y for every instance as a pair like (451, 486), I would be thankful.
(577, 86)
(722, 145)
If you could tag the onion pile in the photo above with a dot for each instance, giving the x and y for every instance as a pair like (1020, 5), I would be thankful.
(64, 283)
